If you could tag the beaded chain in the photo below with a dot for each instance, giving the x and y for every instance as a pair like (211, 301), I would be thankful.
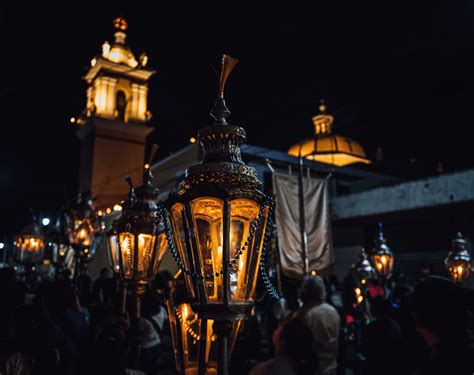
(233, 263)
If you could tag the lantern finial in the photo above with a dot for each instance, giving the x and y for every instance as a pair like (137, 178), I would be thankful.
(220, 111)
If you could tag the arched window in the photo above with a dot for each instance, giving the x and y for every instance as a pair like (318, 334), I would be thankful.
(120, 105)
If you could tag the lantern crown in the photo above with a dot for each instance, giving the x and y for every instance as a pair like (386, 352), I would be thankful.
(222, 163)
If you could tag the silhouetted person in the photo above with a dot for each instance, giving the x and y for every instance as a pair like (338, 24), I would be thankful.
(442, 311)
(382, 340)
(324, 321)
(293, 342)
(104, 287)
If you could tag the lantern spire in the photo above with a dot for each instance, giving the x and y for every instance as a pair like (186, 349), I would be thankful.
(220, 111)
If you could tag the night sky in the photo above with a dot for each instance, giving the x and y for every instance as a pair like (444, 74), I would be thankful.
(396, 76)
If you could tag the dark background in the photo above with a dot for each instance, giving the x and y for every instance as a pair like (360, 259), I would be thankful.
(397, 76)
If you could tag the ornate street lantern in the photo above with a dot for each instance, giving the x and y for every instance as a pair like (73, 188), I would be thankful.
(218, 220)
(137, 242)
(82, 223)
(194, 341)
(362, 270)
(30, 244)
(62, 256)
(458, 262)
(382, 257)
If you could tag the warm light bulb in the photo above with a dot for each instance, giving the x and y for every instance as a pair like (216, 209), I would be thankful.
(313, 273)
(363, 281)
(93, 62)
(72, 120)
(117, 207)
(360, 299)
(108, 211)
(147, 166)
(100, 213)
(383, 259)
(192, 140)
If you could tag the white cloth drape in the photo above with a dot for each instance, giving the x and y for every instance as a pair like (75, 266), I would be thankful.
(318, 224)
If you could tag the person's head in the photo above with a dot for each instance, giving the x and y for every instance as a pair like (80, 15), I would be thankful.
(441, 309)
(380, 308)
(313, 290)
(295, 340)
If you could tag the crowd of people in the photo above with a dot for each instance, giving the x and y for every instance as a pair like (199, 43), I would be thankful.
(47, 327)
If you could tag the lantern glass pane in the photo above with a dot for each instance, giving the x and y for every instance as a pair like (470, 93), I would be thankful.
(207, 215)
(459, 270)
(177, 212)
(242, 213)
(82, 233)
(127, 243)
(383, 264)
(114, 249)
(162, 247)
(146, 243)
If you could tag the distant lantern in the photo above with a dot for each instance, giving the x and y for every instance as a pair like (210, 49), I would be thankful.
(137, 242)
(194, 341)
(30, 244)
(81, 226)
(382, 257)
(458, 262)
(362, 270)
(143, 59)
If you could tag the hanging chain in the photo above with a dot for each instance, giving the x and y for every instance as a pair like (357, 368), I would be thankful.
(233, 263)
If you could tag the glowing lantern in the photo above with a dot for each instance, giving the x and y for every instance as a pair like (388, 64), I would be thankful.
(194, 341)
(137, 242)
(30, 244)
(81, 225)
(458, 261)
(382, 257)
(362, 270)
(218, 225)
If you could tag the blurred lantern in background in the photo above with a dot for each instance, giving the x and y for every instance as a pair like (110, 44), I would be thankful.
(81, 226)
(382, 257)
(458, 262)
(194, 341)
(30, 244)
(362, 270)
(218, 227)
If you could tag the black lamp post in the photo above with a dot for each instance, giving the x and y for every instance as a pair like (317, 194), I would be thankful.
(218, 227)
(137, 244)
(458, 262)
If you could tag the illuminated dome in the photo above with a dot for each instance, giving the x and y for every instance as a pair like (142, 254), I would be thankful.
(119, 52)
(327, 147)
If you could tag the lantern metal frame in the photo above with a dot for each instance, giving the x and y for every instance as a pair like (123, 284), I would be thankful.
(220, 183)
(458, 262)
(382, 257)
(194, 342)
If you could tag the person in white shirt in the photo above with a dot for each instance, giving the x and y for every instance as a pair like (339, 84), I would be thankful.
(324, 321)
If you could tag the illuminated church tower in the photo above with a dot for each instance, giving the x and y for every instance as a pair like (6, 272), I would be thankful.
(114, 124)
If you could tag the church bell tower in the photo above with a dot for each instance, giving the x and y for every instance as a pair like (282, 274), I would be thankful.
(115, 123)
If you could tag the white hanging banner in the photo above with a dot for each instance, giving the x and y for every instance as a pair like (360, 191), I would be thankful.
(317, 220)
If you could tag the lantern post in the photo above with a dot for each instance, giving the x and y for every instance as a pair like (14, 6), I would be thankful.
(137, 244)
(218, 226)
(30, 244)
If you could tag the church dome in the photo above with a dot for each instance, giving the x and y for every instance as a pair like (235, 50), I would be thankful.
(327, 147)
